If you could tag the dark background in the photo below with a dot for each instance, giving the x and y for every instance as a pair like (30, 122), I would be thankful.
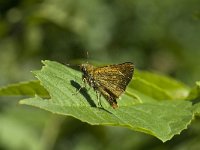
(159, 36)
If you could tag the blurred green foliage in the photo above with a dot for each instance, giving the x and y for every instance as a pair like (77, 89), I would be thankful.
(163, 36)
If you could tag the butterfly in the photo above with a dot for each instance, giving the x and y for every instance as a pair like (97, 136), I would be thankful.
(109, 81)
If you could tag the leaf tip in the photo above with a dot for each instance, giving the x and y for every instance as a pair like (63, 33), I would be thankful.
(43, 61)
(46, 62)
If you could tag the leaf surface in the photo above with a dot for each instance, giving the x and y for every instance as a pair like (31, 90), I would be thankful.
(137, 110)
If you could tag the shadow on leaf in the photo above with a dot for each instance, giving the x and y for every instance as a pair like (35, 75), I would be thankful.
(83, 91)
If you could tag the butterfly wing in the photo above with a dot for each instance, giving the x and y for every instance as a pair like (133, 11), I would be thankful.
(114, 78)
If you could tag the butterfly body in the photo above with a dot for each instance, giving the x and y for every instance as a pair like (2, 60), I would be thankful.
(109, 81)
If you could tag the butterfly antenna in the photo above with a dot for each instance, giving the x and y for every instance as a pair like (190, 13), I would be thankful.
(87, 54)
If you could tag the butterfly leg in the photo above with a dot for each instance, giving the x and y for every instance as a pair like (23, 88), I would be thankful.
(83, 86)
(99, 98)
(77, 91)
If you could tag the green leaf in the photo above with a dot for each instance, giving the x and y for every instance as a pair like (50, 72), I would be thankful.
(30, 88)
(195, 92)
(138, 110)
(196, 109)
(159, 87)
(162, 120)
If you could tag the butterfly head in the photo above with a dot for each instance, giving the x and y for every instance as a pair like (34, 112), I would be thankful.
(86, 68)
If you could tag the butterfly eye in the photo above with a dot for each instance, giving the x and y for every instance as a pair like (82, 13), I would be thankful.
(83, 69)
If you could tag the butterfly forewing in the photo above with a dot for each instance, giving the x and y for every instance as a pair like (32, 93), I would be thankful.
(114, 78)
